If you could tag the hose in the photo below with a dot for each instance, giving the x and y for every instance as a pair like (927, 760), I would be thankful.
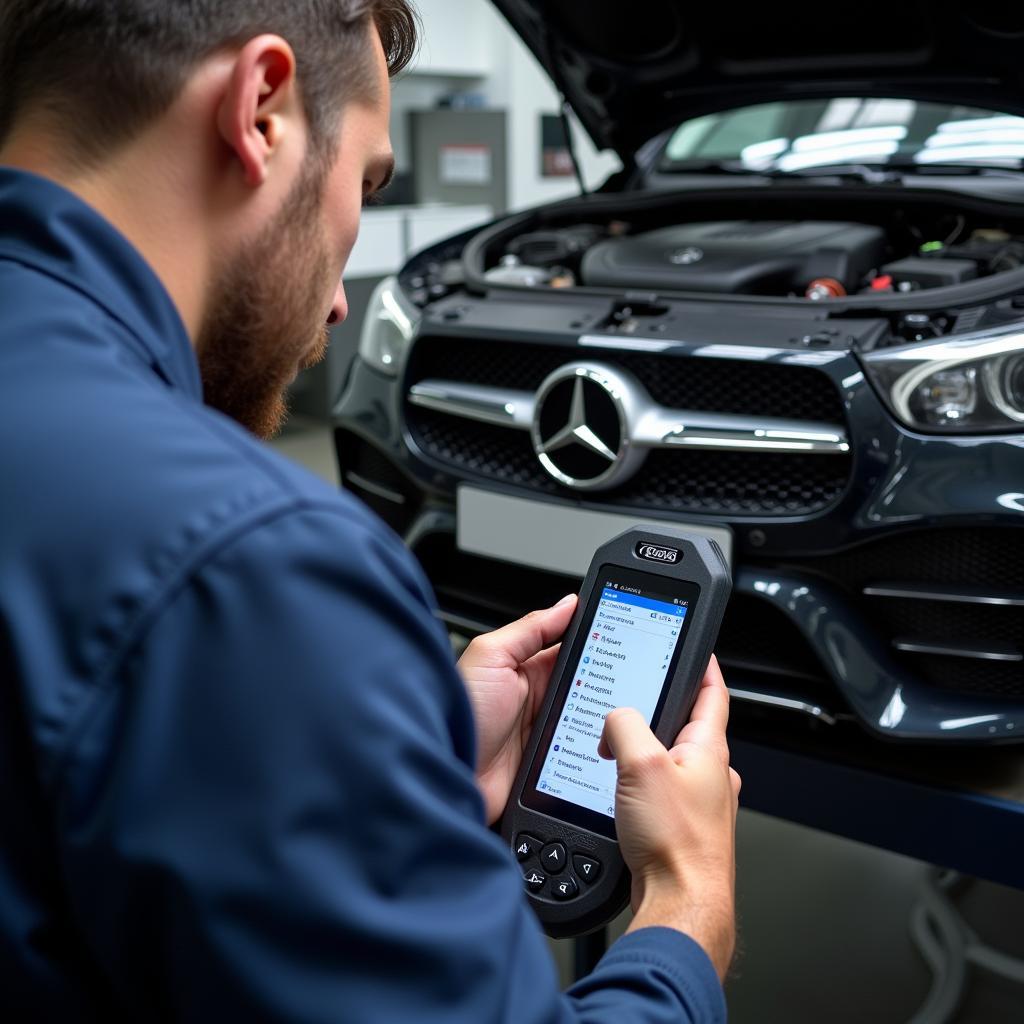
(948, 945)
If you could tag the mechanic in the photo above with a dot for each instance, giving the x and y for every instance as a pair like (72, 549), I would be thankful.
(240, 776)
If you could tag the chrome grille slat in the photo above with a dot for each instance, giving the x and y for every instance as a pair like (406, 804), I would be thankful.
(503, 408)
(361, 483)
(909, 646)
(657, 426)
(949, 595)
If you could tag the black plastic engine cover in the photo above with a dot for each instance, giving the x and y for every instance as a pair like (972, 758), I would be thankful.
(737, 257)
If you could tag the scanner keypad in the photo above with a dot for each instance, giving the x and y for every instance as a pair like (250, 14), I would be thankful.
(546, 867)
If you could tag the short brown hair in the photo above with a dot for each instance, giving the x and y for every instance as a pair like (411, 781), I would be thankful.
(107, 68)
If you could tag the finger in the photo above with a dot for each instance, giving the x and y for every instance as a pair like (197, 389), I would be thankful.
(538, 675)
(628, 738)
(697, 736)
(521, 640)
(712, 705)
(538, 668)
(711, 739)
(737, 782)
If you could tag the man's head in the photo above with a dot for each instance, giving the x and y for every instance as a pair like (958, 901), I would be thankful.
(107, 68)
(268, 118)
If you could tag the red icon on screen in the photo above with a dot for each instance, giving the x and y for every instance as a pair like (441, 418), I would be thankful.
(579, 682)
(597, 636)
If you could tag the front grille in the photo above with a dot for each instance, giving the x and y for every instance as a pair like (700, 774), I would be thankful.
(710, 483)
(985, 627)
(982, 557)
(988, 560)
(966, 626)
(685, 481)
(479, 448)
(737, 483)
(704, 385)
(373, 477)
(759, 640)
(957, 675)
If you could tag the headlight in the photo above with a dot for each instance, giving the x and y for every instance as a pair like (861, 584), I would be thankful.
(389, 326)
(1004, 379)
(967, 384)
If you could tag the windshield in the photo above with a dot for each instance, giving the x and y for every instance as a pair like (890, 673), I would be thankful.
(790, 136)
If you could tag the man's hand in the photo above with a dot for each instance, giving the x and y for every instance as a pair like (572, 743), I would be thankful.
(506, 673)
(675, 813)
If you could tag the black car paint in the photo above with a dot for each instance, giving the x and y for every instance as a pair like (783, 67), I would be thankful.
(899, 481)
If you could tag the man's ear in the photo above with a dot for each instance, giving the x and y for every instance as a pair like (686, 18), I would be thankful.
(261, 98)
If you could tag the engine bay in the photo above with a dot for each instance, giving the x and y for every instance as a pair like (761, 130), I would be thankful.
(813, 260)
(925, 263)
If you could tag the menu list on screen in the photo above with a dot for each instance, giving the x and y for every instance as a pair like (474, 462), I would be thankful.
(624, 662)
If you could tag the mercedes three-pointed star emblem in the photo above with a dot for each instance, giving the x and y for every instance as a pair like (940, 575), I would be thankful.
(580, 431)
(577, 431)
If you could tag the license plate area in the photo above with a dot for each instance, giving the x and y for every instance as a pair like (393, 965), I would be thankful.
(548, 535)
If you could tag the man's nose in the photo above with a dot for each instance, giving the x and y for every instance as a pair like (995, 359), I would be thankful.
(339, 307)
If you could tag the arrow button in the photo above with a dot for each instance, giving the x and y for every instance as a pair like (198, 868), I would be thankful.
(526, 846)
(586, 867)
(552, 857)
(564, 889)
(534, 880)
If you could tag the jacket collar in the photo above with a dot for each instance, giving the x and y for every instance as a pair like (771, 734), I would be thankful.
(47, 227)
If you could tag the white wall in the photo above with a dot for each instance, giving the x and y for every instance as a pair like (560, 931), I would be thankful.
(495, 62)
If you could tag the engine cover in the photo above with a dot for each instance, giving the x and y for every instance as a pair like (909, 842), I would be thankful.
(737, 257)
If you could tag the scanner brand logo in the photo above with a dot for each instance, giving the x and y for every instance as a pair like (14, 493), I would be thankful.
(657, 553)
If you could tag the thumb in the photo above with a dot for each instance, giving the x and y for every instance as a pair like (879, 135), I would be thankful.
(628, 738)
(522, 639)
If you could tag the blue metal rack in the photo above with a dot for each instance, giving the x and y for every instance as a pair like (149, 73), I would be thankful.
(970, 825)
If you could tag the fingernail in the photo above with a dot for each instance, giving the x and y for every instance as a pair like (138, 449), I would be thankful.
(566, 600)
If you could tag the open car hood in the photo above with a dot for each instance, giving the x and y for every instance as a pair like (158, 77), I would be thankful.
(631, 68)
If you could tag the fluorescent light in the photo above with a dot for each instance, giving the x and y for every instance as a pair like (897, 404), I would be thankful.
(761, 154)
(979, 151)
(838, 154)
(826, 140)
(981, 124)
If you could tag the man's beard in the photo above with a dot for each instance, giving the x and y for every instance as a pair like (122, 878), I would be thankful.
(265, 315)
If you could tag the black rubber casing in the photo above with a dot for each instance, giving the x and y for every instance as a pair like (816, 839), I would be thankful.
(702, 563)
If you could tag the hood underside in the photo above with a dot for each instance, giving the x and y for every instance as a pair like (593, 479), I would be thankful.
(632, 68)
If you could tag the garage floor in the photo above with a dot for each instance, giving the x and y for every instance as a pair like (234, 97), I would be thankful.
(824, 932)
(824, 922)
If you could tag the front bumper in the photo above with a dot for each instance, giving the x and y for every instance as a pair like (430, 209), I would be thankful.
(894, 600)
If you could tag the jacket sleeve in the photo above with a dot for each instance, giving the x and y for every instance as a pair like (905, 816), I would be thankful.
(272, 815)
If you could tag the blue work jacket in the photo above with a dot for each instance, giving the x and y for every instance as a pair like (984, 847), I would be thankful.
(236, 759)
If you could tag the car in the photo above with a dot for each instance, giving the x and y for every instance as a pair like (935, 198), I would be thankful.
(793, 321)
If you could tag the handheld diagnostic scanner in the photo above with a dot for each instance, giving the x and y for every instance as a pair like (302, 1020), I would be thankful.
(642, 636)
